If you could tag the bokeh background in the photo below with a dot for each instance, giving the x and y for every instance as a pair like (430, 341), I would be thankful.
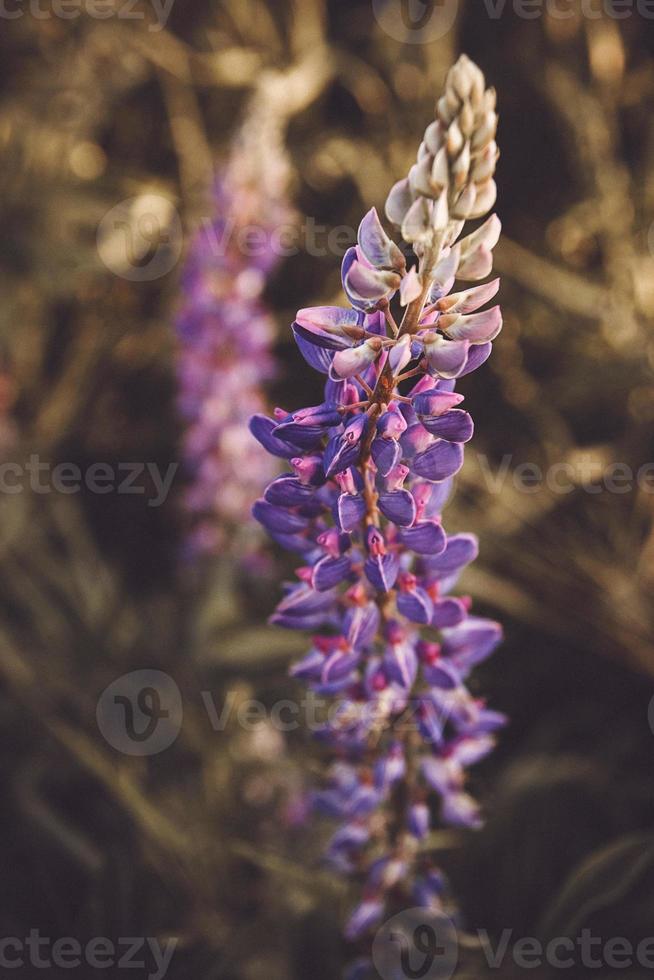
(204, 841)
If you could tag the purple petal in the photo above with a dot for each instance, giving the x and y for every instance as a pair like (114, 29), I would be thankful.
(401, 664)
(460, 550)
(304, 608)
(365, 916)
(329, 572)
(392, 423)
(337, 671)
(343, 451)
(361, 624)
(478, 328)
(310, 667)
(425, 538)
(293, 542)
(351, 509)
(454, 426)
(435, 773)
(442, 674)
(398, 202)
(390, 768)
(262, 428)
(316, 357)
(350, 837)
(386, 454)
(439, 498)
(471, 299)
(400, 354)
(448, 612)
(478, 354)
(277, 519)
(375, 323)
(468, 750)
(381, 571)
(415, 440)
(307, 427)
(368, 284)
(416, 606)
(419, 820)
(436, 403)
(399, 507)
(323, 325)
(430, 721)
(472, 642)
(376, 246)
(460, 810)
(439, 462)
(288, 491)
(353, 361)
(446, 357)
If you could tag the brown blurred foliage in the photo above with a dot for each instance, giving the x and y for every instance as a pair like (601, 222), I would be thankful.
(194, 842)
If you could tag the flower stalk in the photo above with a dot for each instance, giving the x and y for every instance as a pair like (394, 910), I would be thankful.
(372, 469)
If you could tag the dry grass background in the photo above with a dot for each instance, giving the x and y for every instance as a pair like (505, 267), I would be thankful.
(192, 843)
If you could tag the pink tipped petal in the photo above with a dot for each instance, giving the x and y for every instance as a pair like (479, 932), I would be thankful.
(477, 265)
(398, 202)
(331, 319)
(411, 287)
(370, 284)
(376, 246)
(435, 403)
(444, 272)
(485, 199)
(350, 362)
(417, 225)
(400, 354)
(478, 328)
(487, 235)
(446, 357)
(469, 300)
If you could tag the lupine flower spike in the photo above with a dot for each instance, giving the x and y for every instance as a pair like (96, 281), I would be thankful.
(226, 334)
(371, 469)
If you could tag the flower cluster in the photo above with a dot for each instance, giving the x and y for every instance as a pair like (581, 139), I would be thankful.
(226, 333)
(371, 469)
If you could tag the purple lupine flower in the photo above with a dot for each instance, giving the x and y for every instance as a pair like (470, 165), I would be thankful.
(372, 469)
(226, 333)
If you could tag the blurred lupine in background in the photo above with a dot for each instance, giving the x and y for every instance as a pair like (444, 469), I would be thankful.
(226, 333)
(372, 468)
